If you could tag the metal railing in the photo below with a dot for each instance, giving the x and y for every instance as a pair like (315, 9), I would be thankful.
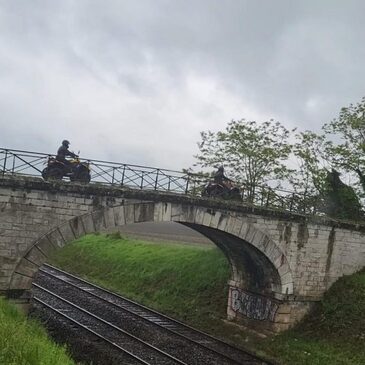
(105, 172)
(151, 178)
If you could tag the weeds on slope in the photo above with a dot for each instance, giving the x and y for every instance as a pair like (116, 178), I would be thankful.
(24, 342)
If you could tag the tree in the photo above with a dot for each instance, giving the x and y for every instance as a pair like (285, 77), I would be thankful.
(347, 135)
(310, 151)
(348, 132)
(253, 153)
(340, 200)
(342, 148)
(258, 154)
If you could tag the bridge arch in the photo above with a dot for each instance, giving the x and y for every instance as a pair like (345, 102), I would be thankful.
(256, 261)
(292, 259)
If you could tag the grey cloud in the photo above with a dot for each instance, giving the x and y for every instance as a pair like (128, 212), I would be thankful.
(138, 80)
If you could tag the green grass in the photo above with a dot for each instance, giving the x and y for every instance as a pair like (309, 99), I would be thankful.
(299, 348)
(334, 333)
(184, 281)
(24, 342)
(189, 283)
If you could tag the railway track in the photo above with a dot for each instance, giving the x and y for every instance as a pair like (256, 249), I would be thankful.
(144, 336)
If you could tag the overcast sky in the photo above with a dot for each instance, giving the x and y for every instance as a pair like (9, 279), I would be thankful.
(136, 81)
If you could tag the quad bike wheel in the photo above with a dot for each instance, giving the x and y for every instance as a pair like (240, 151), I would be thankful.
(235, 194)
(45, 173)
(205, 192)
(84, 177)
(55, 173)
(216, 191)
(212, 191)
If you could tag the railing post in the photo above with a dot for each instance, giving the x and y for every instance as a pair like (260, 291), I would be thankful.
(113, 175)
(169, 184)
(291, 202)
(262, 197)
(187, 185)
(315, 206)
(156, 180)
(122, 181)
(141, 187)
(13, 168)
(87, 161)
(6, 157)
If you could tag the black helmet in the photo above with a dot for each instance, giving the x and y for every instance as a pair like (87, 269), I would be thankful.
(221, 168)
(65, 142)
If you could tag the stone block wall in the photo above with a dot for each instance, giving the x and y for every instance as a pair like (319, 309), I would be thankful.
(26, 215)
(305, 254)
(318, 253)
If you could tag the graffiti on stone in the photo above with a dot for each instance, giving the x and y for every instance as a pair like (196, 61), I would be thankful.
(253, 306)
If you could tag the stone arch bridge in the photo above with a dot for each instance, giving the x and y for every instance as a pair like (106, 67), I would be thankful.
(281, 263)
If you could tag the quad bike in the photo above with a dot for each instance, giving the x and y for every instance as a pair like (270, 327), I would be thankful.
(75, 170)
(225, 191)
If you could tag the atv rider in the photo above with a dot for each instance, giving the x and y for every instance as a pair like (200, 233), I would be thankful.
(63, 152)
(220, 178)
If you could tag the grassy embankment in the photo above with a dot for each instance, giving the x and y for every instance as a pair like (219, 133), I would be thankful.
(333, 334)
(24, 342)
(189, 283)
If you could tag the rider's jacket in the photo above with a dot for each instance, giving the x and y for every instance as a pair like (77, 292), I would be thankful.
(220, 178)
(63, 152)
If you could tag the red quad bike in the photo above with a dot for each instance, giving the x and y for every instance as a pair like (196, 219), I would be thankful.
(225, 191)
(76, 171)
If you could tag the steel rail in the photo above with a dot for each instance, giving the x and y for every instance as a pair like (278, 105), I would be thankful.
(183, 326)
(82, 310)
(139, 316)
(90, 330)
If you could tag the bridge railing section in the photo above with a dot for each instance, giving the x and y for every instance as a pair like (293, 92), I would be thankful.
(140, 177)
(150, 178)
(281, 199)
(22, 162)
(104, 172)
